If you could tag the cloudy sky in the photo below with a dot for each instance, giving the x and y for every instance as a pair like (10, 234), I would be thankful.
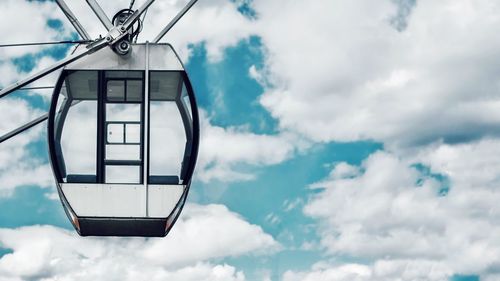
(341, 140)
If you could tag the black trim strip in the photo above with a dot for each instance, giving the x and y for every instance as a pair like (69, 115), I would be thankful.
(144, 227)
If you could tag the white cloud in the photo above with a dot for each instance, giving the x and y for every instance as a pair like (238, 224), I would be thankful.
(348, 74)
(17, 29)
(222, 230)
(379, 204)
(222, 149)
(202, 234)
(352, 272)
(218, 24)
(388, 210)
(36, 29)
(399, 270)
(469, 165)
(18, 166)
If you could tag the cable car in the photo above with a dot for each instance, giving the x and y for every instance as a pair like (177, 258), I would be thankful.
(123, 128)
(123, 137)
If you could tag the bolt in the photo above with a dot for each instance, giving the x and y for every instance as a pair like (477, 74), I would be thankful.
(124, 45)
(108, 38)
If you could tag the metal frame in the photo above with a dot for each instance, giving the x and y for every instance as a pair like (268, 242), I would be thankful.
(124, 126)
(101, 15)
(102, 125)
(125, 100)
(101, 115)
(174, 21)
(90, 49)
(73, 20)
(24, 127)
(146, 116)
(135, 16)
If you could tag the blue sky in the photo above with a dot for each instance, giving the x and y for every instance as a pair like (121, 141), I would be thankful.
(366, 136)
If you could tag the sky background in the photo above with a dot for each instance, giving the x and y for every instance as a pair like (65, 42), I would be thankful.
(340, 140)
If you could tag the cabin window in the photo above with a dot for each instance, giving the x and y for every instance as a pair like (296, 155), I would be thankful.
(123, 120)
(116, 90)
(78, 134)
(167, 137)
(104, 120)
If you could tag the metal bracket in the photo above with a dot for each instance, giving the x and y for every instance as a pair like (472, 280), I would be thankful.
(115, 34)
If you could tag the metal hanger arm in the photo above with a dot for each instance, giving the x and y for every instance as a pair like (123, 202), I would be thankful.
(110, 39)
(90, 49)
(174, 21)
(24, 127)
(28, 125)
(74, 21)
(45, 43)
(101, 15)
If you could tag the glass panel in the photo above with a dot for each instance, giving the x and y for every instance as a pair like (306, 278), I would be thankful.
(115, 133)
(79, 138)
(123, 174)
(124, 74)
(165, 86)
(123, 112)
(134, 90)
(187, 102)
(116, 90)
(82, 85)
(61, 99)
(167, 139)
(133, 133)
(123, 152)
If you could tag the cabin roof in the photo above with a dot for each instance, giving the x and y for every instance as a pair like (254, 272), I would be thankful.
(161, 57)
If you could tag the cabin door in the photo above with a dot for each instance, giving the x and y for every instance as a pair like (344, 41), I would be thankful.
(123, 126)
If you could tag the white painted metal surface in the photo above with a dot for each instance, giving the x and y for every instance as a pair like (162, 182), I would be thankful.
(105, 59)
(122, 200)
(162, 199)
(146, 125)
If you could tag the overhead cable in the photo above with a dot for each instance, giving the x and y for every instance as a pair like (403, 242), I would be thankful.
(45, 43)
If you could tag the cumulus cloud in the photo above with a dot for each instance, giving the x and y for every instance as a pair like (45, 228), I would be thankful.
(390, 210)
(349, 74)
(45, 24)
(223, 149)
(51, 253)
(36, 29)
(18, 166)
(400, 270)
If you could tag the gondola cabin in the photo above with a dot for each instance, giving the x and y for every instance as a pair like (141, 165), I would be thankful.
(123, 134)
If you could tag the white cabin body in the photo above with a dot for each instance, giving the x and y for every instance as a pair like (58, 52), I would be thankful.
(123, 136)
